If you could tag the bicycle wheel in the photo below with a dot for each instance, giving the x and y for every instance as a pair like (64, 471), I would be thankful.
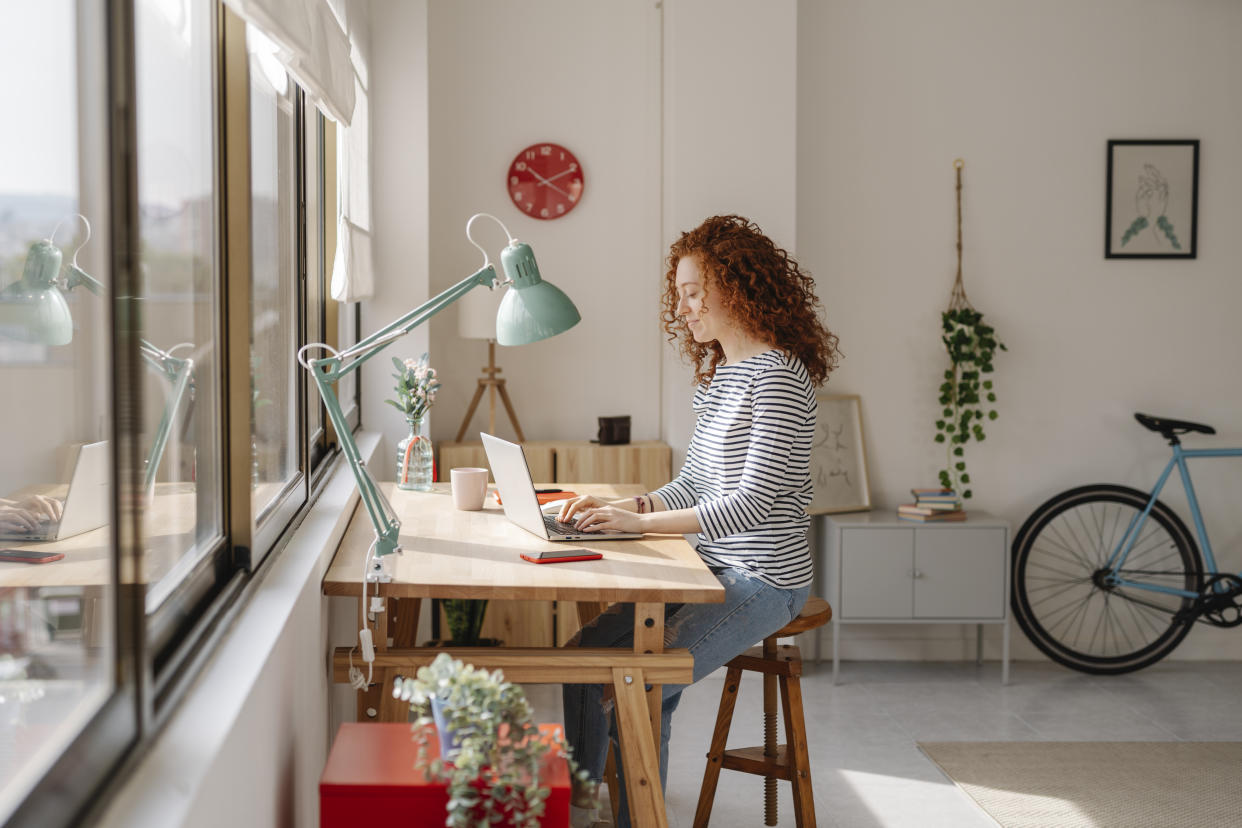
(1061, 601)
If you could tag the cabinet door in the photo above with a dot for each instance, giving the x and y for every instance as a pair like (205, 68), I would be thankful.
(876, 569)
(457, 455)
(648, 463)
(962, 573)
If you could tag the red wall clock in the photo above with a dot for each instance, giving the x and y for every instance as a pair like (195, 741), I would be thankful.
(545, 181)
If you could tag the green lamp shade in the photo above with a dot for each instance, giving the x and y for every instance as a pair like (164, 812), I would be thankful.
(532, 308)
(33, 309)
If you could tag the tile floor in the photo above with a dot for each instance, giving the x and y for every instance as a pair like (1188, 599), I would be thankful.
(863, 733)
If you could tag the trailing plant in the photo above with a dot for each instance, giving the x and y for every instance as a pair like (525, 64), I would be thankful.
(492, 778)
(967, 399)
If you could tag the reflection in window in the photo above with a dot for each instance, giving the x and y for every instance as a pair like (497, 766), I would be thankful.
(176, 235)
(274, 274)
(56, 636)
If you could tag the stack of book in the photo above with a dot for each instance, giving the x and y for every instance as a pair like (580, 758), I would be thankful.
(932, 505)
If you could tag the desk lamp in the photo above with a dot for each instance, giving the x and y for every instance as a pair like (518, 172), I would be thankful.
(531, 310)
(33, 309)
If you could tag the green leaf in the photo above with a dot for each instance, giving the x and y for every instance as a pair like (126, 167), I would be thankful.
(967, 495)
(992, 415)
(950, 428)
(939, 438)
(965, 478)
(948, 412)
(991, 398)
(960, 466)
(939, 423)
(948, 374)
(958, 452)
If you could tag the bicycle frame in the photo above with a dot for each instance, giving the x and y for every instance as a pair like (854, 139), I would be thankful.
(1118, 558)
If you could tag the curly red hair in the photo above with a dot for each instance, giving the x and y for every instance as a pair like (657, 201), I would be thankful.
(759, 286)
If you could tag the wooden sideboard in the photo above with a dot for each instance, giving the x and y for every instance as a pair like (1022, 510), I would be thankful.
(648, 463)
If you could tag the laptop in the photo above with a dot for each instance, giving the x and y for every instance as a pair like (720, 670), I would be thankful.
(521, 504)
(86, 504)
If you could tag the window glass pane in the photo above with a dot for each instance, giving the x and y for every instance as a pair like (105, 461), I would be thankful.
(315, 284)
(181, 392)
(56, 638)
(274, 284)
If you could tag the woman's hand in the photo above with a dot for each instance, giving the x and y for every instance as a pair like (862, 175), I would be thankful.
(609, 517)
(591, 514)
(28, 513)
(577, 505)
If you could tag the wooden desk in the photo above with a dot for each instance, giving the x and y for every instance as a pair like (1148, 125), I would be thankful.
(452, 554)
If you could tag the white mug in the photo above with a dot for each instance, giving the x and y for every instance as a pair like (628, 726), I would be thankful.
(469, 488)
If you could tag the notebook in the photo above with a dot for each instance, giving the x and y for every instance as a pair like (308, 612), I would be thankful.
(517, 491)
(86, 504)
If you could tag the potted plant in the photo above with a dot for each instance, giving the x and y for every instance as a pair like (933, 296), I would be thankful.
(967, 398)
(491, 748)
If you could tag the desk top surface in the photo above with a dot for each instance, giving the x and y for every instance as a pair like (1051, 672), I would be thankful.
(454, 554)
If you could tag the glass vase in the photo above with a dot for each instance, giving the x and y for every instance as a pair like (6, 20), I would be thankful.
(414, 459)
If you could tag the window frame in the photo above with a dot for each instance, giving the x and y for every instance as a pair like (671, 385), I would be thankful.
(158, 655)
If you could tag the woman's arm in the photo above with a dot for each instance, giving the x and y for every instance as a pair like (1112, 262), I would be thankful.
(645, 513)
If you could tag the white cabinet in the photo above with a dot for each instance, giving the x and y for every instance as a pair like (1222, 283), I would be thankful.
(876, 569)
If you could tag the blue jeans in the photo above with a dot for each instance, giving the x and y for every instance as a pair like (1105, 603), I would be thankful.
(713, 633)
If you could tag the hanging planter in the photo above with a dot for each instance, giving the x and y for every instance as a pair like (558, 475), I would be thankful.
(967, 397)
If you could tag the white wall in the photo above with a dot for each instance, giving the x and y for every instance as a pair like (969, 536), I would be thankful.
(585, 75)
(889, 94)
(399, 200)
(730, 111)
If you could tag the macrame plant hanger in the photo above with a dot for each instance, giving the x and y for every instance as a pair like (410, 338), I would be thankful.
(957, 299)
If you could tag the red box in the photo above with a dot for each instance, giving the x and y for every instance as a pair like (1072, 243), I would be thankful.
(370, 776)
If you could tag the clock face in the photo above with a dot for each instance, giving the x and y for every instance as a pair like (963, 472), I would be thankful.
(545, 181)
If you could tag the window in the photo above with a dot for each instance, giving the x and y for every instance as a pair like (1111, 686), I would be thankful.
(161, 408)
(57, 636)
(179, 278)
(277, 429)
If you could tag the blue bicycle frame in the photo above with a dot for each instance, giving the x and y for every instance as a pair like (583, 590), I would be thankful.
(1120, 554)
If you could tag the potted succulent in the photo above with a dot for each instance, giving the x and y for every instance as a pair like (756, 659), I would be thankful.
(491, 748)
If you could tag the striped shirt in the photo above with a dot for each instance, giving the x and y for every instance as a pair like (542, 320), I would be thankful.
(747, 473)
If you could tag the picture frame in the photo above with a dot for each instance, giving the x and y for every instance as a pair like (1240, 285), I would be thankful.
(1151, 202)
(839, 457)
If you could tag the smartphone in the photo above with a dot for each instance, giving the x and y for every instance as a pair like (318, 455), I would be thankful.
(561, 556)
(29, 556)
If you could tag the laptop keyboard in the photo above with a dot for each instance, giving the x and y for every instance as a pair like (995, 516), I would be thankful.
(557, 527)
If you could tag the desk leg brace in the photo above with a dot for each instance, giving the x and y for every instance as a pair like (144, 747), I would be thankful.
(639, 755)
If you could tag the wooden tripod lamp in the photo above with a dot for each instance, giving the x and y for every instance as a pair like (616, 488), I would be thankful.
(477, 320)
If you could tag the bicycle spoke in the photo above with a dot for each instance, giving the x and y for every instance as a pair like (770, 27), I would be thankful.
(1078, 620)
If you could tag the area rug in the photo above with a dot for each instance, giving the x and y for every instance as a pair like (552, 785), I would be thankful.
(1098, 784)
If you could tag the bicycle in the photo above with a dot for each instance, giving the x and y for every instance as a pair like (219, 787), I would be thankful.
(1106, 603)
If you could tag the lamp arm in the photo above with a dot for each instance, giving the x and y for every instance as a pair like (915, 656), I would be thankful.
(180, 378)
(329, 369)
(77, 276)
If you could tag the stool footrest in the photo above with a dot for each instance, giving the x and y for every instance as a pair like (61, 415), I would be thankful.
(752, 760)
(788, 661)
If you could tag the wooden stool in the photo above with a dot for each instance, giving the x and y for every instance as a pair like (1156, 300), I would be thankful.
(789, 761)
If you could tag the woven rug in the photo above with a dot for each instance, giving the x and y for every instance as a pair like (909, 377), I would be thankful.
(1098, 784)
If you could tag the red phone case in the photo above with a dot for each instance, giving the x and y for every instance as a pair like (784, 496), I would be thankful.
(14, 556)
(590, 556)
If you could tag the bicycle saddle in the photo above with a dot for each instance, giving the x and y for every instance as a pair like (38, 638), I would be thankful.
(1171, 428)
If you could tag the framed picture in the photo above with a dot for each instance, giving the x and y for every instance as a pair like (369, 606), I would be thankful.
(1152, 201)
(838, 460)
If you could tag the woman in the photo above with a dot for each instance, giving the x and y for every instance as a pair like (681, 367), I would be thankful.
(745, 315)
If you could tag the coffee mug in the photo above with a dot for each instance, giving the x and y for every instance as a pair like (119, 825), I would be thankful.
(469, 488)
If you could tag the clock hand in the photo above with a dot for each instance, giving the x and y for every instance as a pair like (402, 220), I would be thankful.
(544, 181)
(566, 171)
